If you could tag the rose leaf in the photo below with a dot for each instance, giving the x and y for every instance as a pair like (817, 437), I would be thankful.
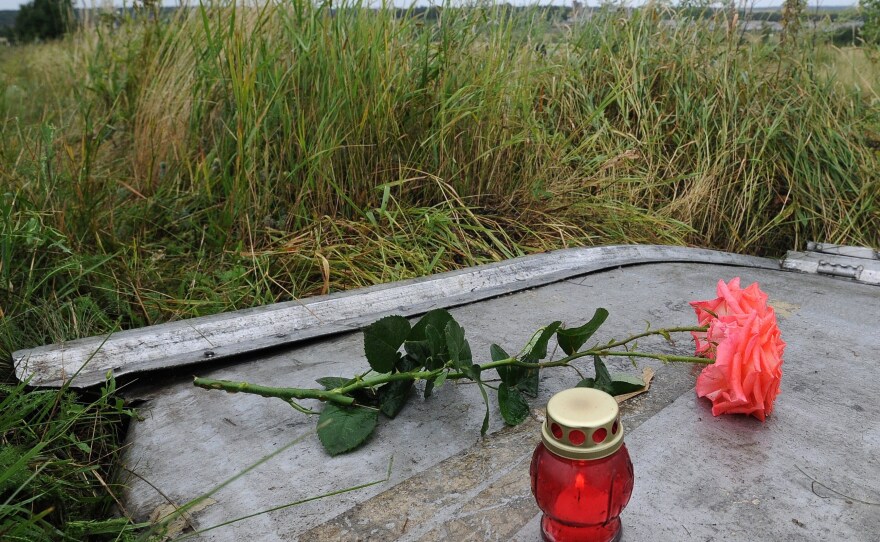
(570, 340)
(344, 428)
(512, 404)
(382, 340)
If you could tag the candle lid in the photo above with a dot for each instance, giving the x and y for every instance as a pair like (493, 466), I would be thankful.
(582, 423)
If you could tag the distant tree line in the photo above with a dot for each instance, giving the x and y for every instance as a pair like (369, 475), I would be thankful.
(7, 24)
(766, 15)
(50, 19)
(43, 20)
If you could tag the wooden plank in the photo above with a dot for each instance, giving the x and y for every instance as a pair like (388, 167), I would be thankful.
(85, 362)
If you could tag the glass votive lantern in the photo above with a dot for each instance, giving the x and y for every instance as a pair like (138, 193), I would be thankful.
(581, 473)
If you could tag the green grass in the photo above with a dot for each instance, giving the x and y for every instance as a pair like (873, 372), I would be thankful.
(226, 158)
(55, 456)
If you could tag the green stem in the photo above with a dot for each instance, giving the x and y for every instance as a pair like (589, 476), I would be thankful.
(665, 358)
(287, 394)
(380, 379)
(340, 395)
(664, 332)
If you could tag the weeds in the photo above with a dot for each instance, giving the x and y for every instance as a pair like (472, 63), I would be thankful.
(55, 452)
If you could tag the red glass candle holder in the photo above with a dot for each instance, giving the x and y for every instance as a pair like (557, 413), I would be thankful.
(581, 473)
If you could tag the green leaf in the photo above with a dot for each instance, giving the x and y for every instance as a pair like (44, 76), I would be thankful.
(485, 426)
(588, 382)
(536, 350)
(441, 378)
(383, 339)
(457, 345)
(498, 353)
(406, 364)
(603, 379)
(529, 383)
(624, 383)
(438, 318)
(570, 340)
(393, 397)
(85, 448)
(344, 428)
(514, 408)
(426, 343)
(620, 384)
(437, 347)
(509, 375)
(472, 371)
(332, 382)
(419, 351)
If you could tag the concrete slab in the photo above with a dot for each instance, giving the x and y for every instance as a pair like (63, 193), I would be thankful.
(697, 477)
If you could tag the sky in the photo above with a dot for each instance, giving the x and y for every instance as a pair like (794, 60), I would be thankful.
(13, 4)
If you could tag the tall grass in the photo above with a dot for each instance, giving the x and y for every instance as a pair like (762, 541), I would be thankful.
(159, 168)
(234, 156)
(293, 112)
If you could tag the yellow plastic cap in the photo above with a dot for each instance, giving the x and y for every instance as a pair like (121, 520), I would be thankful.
(582, 423)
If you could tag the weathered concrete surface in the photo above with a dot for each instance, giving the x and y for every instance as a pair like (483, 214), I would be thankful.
(727, 478)
(811, 472)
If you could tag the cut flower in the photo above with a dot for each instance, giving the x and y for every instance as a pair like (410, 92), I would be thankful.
(744, 341)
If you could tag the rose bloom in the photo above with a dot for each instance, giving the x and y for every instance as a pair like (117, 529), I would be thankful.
(744, 340)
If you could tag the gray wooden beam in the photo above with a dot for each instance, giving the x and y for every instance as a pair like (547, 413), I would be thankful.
(86, 362)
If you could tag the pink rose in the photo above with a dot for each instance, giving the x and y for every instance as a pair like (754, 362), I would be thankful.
(744, 340)
(732, 300)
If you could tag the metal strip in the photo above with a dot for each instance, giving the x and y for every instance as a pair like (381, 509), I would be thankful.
(219, 337)
(844, 250)
(860, 270)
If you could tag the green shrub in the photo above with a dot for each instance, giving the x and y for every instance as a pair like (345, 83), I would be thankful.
(43, 19)
(870, 11)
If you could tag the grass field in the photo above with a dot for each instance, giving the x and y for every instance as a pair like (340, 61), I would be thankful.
(153, 170)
